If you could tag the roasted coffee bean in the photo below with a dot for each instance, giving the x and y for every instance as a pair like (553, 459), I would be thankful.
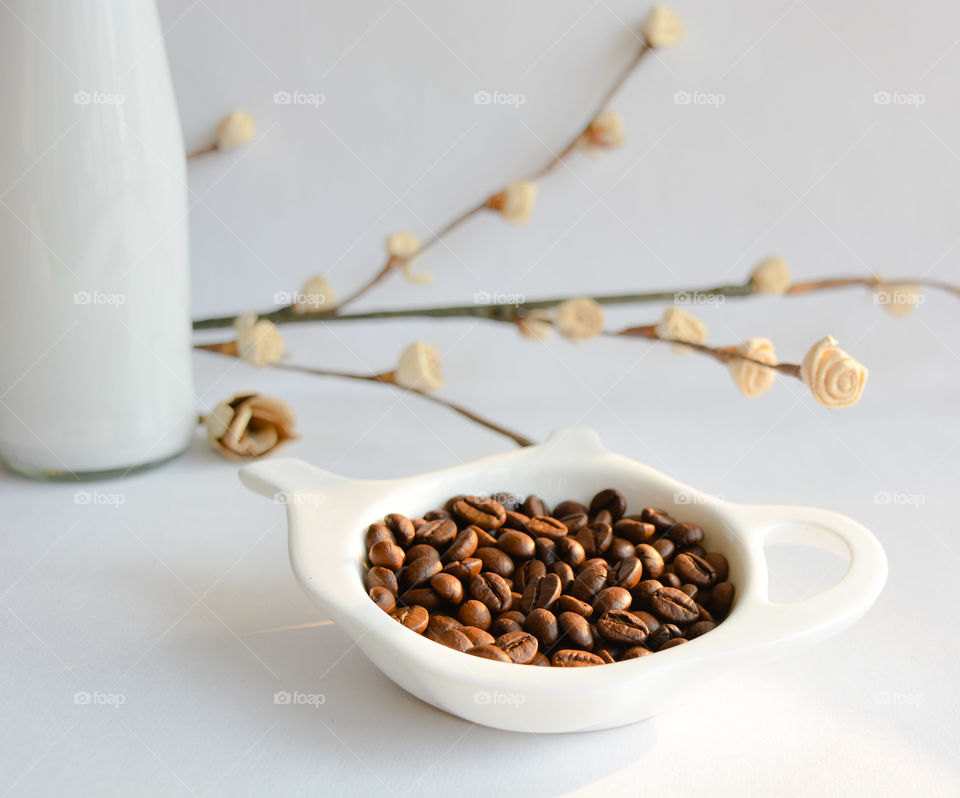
(448, 505)
(440, 623)
(438, 533)
(651, 620)
(644, 590)
(541, 593)
(387, 554)
(611, 598)
(485, 538)
(545, 527)
(703, 614)
(719, 563)
(516, 521)
(721, 599)
(480, 637)
(377, 533)
(690, 590)
(463, 569)
(517, 544)
(651, 560)
(661, 521)
(673, 605)
(590, 581)
(571, 658)
(666, 547)
(608, 655)
(424, 596)
(418, 522)
(571, 604)
(635, 531)
(575, 630)
(401, 527)
(542, 624)
(530, 571)
(491, 589)
(534, 506)
(463, 545)
(421, 550)
(455, 638)
(546, 551)
(378, 576)
(628, 572)
(489, 652)
(569, 508)
(661, 635)
(494, 560)
(603, 517)
(475, 613)
(594, 562)
(622, 626)
(448, 587)
(635, 652)
(698, 551)
(414, 618)
(610, 500)
(419, 571)
(484, 513)
(683, 533)
(437, 515)
(541, 660)
(574, 522)
(571, 551)
(566, 574)
(695, 570)
(503, 625)
(520, 646)
(699, 628)
(595, 538)
(383, 598)
(672, 643)
(620, 548)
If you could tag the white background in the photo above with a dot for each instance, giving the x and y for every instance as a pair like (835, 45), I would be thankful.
(180, 600)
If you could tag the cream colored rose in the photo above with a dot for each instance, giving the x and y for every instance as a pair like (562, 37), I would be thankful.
(899, 299)
(663, 28)
(403, 245)
(606, 130)
(751, 379)
(579, 319)
(259, 342)
(315, 295)
(536, 325)
(420, 368)
(516, 201)
(249, 426)
(834, 378)
(678, 325)
(771, 276)
(236, 130)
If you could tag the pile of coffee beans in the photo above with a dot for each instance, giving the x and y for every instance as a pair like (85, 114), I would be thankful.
(511, 581)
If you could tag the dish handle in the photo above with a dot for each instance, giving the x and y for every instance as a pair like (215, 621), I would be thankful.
(837, 606)
(283, 478)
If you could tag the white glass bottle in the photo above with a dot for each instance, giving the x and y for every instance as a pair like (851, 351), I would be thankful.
(95, 358)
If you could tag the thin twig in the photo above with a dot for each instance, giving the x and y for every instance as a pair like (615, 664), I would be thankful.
(208, 150)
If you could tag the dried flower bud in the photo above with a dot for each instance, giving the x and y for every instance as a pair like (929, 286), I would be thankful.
(236, 130)
(419, 368)
(316, 294)
(771, 276)
(536, 325)
(751, 379)
(663, 28)
(516, 201)
(678, 325)
(259, 342)
(417, 278)
(898, 299)
(606, 130)
(403, 245)
(834, 378)
(579, 319)
(249, 426)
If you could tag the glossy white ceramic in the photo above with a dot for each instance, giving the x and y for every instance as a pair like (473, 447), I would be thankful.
(328, 514)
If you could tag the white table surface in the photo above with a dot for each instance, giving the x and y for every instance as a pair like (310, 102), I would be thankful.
(174, 603)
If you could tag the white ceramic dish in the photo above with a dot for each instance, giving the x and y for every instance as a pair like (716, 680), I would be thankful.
(328, 515)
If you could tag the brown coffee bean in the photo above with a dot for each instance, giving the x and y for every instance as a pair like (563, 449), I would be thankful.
(494, 560)
(575, 630)
(545, 527)
(421, 550)
(489, 652)
(520, 646)
(485, 538)
(635, 652)
(463, 569)
(414, 618)
(484, 513)
(475, 613)
(571, 658)
(611, 598)
(690, 590)
(387, 554)
(610, 500)
(574, 522)
(426, 597)
(569, 507)
(541, 660)
(534, 505)
(377, 533)
(644, 590)
(660, 520)
(703, 613)
(517, 544)
(571, 551)
(698, 551)
(651, 560)
(603, 517)
(635, 531)
(455, 638)
(699, 628)
(528, 572)
(448, 587)
(628, 572)
(516, 521)
(480, 637)
(670, 579)
(383, 598)
(720, 565)
(401, 527)
(463, 545)
(683, 533)
(546, 551)
(566, 574)
(695, 570)
(438, 533)
(590, 581)
(651, 620)
(490, 589)
(541, 593)
(571, 604)
(661, 635)
(673, 605)
(542, 624)
(503, 625)
(448, 504)
(721, 599)
(676, 641)
(420, 570)
(666, 547)
(440, 623)
(378, 576)
(595, 538)
(620, 549)
(437, 515)
(622, 626)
